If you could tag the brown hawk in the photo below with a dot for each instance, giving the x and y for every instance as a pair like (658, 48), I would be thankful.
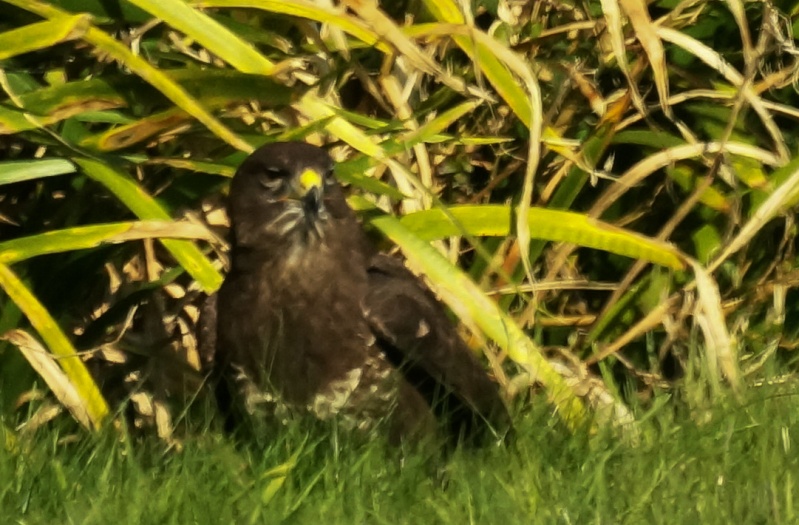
(311, 320)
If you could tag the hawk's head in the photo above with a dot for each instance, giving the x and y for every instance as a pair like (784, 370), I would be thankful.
(278, 193)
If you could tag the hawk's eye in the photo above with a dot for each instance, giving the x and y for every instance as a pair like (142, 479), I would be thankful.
(273, 179)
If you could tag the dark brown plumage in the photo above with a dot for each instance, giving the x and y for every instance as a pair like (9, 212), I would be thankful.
(310, 319)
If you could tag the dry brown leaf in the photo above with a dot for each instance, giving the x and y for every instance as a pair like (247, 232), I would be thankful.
(638, 13)
(720, 350)
(46, 366)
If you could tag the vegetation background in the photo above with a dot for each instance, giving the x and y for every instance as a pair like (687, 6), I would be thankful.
(603, 192)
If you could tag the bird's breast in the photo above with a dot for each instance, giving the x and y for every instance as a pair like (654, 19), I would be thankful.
(306, 330)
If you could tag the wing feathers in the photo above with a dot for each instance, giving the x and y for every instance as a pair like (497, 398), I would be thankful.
(415, 333)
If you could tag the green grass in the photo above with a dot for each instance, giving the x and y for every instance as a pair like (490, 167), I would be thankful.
(739, 467)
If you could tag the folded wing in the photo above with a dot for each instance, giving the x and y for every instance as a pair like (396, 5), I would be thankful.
(416, 335)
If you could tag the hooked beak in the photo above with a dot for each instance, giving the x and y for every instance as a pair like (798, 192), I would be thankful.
(309, 191)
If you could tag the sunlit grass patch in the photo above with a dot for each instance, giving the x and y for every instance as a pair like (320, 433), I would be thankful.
(738, 467)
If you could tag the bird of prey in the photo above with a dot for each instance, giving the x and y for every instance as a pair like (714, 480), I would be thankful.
(310, 319)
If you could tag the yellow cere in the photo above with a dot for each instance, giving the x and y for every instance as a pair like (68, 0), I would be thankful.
(310, 179)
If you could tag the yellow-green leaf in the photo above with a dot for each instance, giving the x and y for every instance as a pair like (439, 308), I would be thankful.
(84, 237)
(209, 33)
(551, 225)
(145, 207)
(22, 170)
(83, 383)
(42, 34)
